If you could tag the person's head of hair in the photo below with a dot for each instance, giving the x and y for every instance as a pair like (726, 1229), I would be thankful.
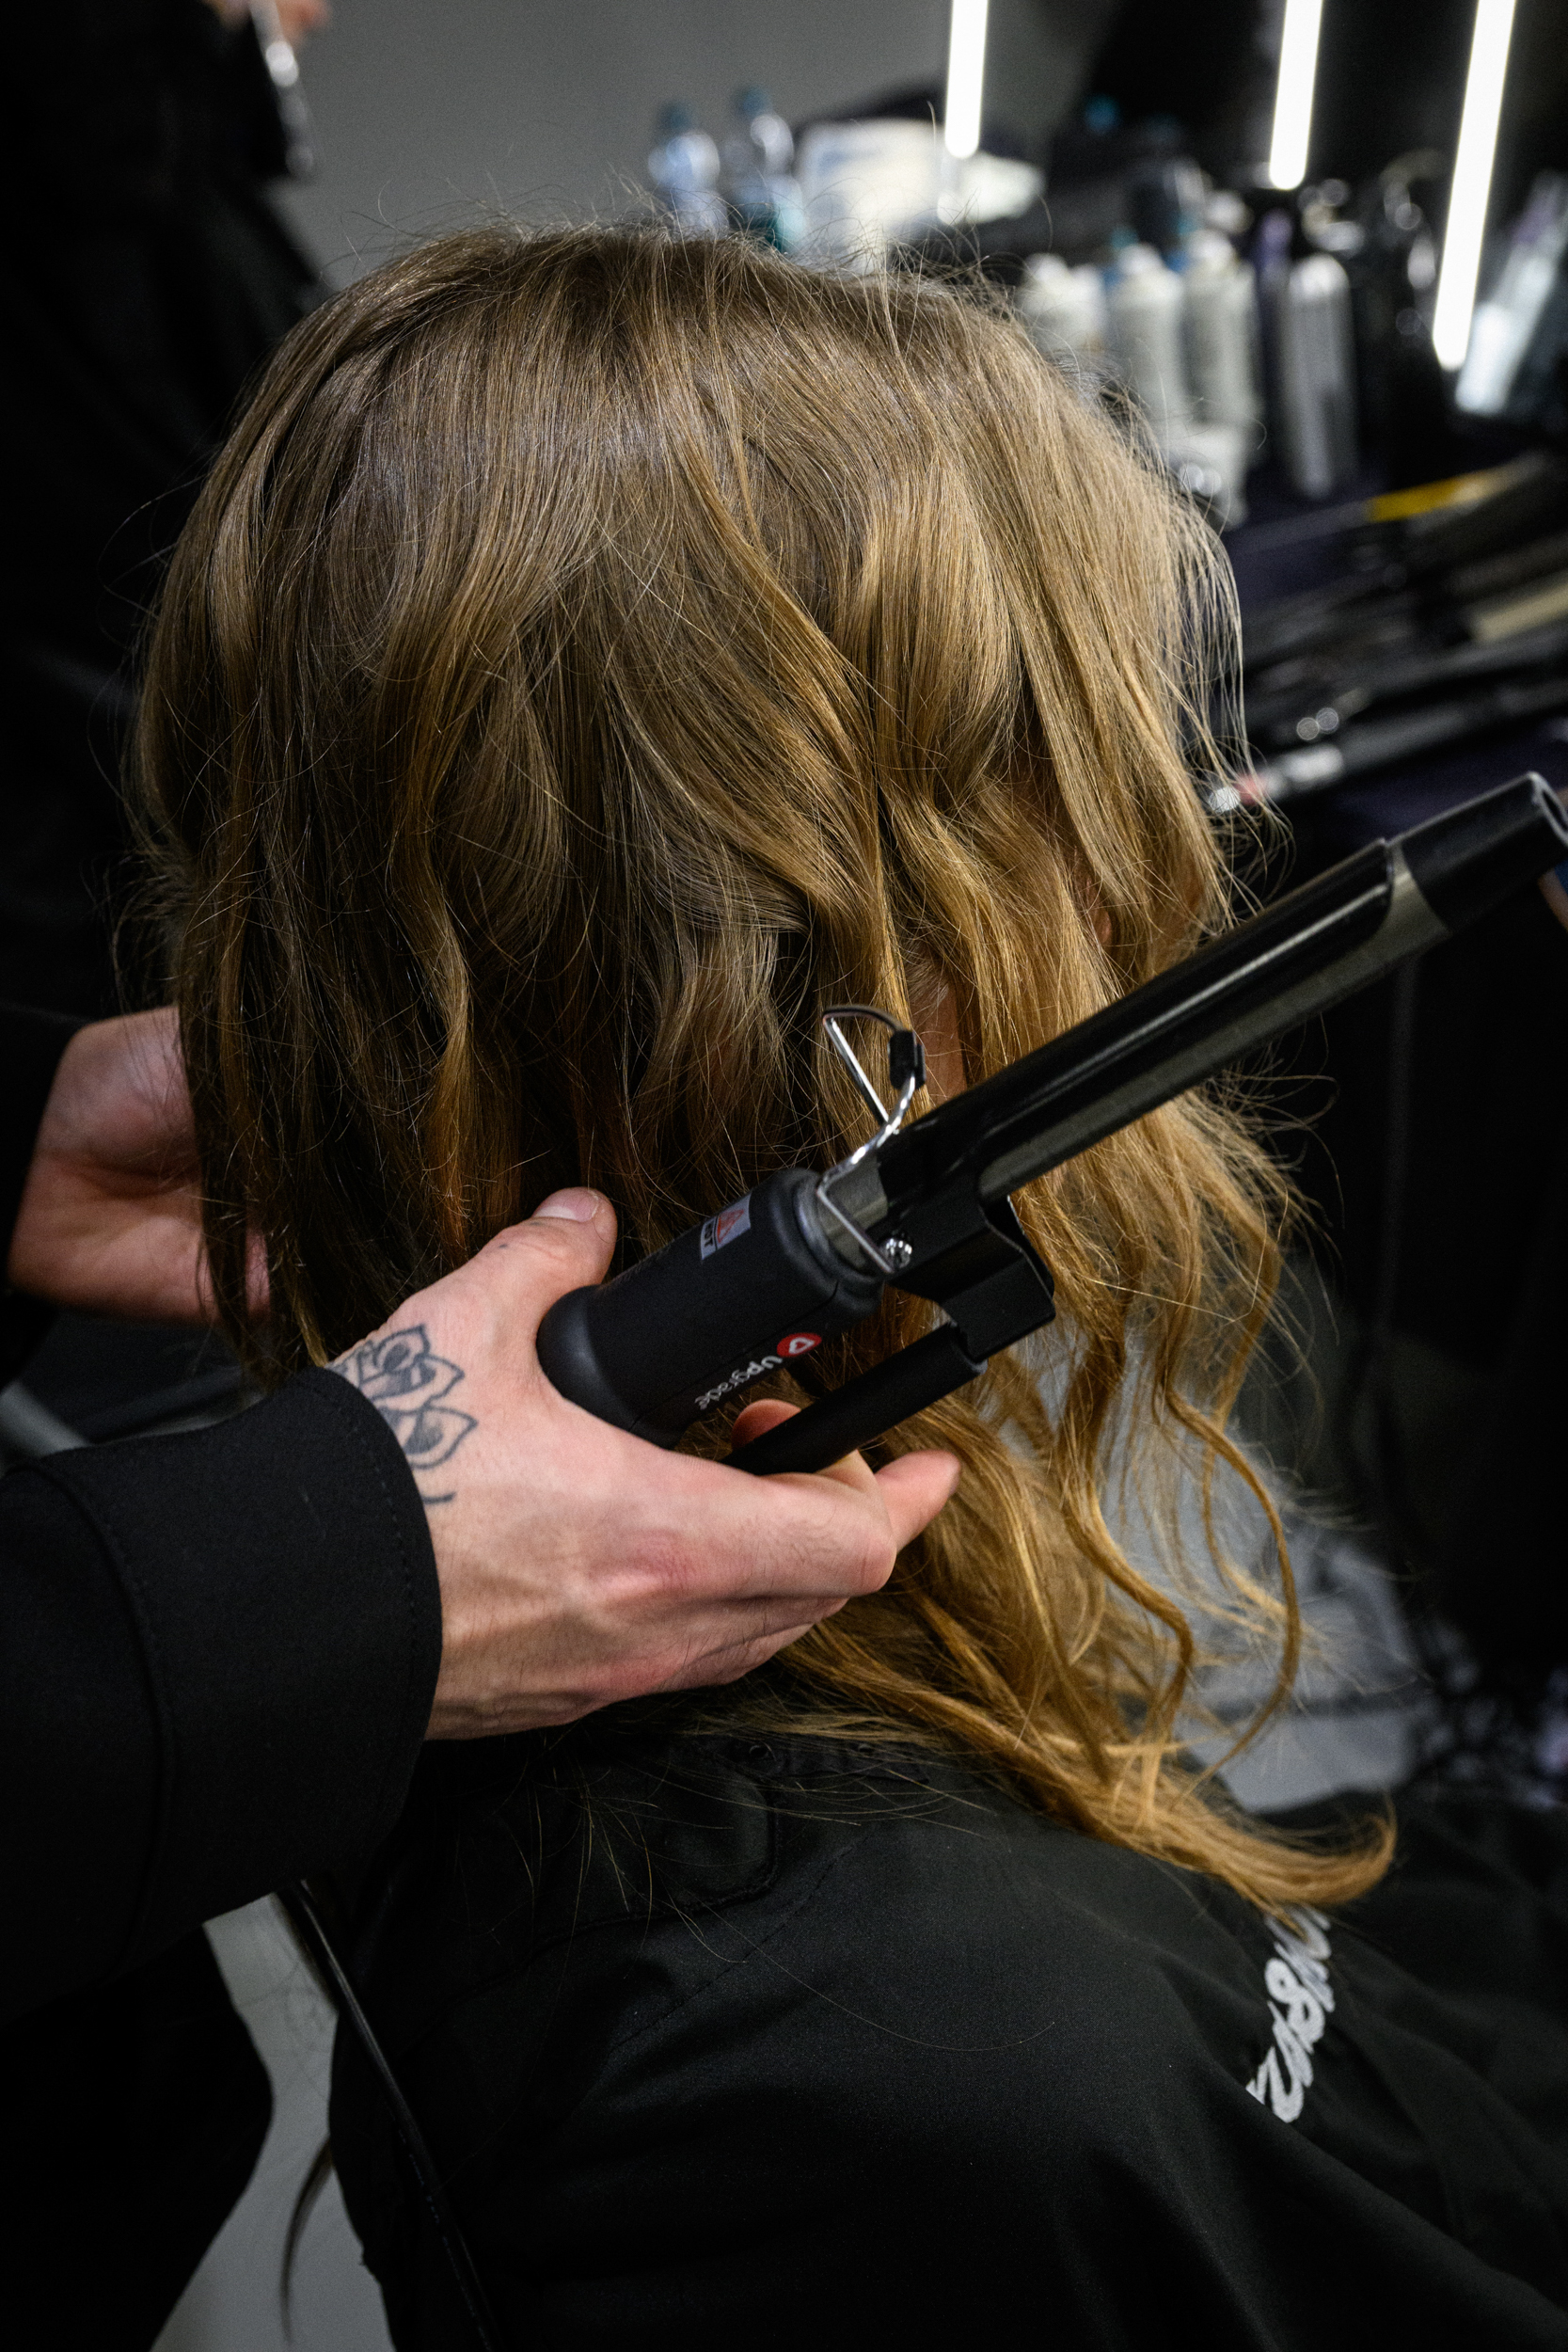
(594, 653)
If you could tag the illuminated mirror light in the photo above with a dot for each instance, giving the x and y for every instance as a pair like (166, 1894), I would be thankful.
(1472, 181)
(966, 75)
(1293, 98)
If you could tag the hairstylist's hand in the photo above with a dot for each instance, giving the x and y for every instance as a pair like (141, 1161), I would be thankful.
(110, 1221)
(579, 1566)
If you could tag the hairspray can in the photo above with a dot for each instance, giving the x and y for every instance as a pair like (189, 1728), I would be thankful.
(1315, 371)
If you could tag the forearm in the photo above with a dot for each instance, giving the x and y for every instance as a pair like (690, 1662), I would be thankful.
(217, 1659)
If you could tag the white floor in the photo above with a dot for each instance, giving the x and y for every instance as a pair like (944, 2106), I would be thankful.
(234, 2303)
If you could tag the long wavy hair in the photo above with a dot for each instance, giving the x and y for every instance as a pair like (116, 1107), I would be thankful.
(593, 653)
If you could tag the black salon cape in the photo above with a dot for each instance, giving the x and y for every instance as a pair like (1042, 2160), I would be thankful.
(733, 2044)
(217, 1658)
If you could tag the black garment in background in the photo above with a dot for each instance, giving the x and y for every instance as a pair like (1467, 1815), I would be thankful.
(133, 2118)
(149, 281)
(768, 2042)
(217, 1657)
(1503, 1510)
(1450, 1253)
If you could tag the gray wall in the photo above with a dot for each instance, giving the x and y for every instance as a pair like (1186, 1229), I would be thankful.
(426, 109)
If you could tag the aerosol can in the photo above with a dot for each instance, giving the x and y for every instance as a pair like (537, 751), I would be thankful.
(1315, 375)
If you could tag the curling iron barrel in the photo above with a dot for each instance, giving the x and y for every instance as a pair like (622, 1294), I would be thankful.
(762, 1283)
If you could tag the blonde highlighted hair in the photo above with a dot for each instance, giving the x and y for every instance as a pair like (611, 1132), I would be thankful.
(595, 652)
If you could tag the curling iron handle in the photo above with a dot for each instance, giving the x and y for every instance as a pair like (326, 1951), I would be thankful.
(746, 1292)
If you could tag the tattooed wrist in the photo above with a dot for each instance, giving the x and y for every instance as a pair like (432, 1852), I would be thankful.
(410, 1387)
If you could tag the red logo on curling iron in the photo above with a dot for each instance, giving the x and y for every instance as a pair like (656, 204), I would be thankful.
(797, 1343)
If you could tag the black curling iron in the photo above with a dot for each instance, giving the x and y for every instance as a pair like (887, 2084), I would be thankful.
(925, 1208)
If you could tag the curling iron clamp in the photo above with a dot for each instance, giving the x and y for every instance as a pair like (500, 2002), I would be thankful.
(925, 1208)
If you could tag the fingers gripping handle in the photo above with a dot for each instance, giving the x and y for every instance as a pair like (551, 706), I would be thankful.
(744, 1294)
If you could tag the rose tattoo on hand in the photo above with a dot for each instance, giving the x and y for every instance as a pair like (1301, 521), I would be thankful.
(406, 1382)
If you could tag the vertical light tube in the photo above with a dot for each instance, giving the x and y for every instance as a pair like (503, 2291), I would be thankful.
(1293, 97)
(966, 76)
(1471, 187)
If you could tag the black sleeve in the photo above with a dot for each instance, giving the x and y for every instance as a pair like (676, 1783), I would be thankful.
(31, 1044)
(217, 1657)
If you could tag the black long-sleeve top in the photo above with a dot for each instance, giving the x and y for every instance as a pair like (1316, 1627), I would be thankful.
(217, 1654)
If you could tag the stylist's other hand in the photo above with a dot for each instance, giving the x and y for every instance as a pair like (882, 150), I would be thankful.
(579, 1566)
(110, 1221)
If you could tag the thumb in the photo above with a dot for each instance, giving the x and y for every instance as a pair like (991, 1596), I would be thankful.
(563, 1246)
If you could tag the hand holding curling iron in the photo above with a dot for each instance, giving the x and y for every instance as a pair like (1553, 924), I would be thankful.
(578, 1564)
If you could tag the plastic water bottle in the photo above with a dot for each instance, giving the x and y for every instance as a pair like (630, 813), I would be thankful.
(759, 179)
(684, 168)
